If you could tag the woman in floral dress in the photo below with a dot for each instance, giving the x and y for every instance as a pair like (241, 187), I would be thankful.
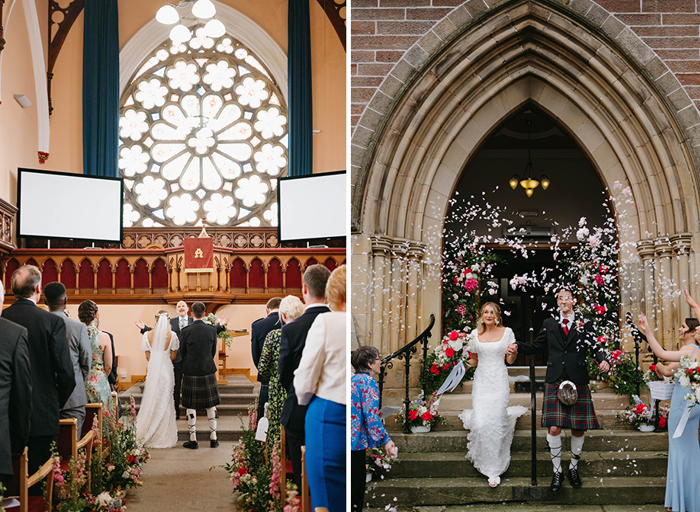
(291, 308)
(96, 383)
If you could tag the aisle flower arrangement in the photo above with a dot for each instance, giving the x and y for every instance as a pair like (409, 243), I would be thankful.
(441, 361)
(639, 415)
(255, 477)
(689, 377)
(421, 413)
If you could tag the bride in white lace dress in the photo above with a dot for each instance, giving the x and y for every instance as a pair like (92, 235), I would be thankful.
(491, 422)
(155, 422)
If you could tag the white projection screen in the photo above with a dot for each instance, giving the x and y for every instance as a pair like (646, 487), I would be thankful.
(64, 205)
(312, 206)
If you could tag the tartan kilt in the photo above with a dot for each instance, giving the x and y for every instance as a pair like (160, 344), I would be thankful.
(200, 392)
(579, 416)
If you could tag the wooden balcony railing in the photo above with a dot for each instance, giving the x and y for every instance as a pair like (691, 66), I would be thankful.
(250, 275)
(7, 213)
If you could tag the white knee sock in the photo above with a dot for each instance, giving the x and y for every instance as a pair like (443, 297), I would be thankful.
(192, 423)
(211, 416)
(555, 451)
(576, 447)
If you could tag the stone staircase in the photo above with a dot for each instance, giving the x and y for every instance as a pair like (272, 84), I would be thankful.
(236, 396)
(618, 467)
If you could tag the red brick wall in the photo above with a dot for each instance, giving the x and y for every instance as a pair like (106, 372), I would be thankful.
(382, 31)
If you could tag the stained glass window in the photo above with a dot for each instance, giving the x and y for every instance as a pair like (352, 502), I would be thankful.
(203, 136)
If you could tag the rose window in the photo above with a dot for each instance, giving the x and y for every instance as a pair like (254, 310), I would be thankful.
(202, 137)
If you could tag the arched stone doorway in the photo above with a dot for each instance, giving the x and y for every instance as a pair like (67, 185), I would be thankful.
(602, 85)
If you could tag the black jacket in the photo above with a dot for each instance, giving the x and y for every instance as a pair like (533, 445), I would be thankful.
(53, 379)
(258, 332)
(566, 353)
(198, 349)
(291, 348)
(15, 392)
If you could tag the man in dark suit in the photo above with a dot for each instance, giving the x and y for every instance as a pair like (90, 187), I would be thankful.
(80, 353)
(53, 379)
(569, 340)
(258, 332)
(15, 392)
(292, 346)
(199, 387)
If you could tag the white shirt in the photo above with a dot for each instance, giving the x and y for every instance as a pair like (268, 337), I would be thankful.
(183, 321)
(571, 319)
(322, 370)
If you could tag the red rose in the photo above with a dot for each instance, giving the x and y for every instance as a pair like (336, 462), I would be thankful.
(603, 269)
(426, 416)
(449, 352)
(662, 422)
(434, 370)
(640, 408)
(454, 335)
(446, 367)
(602, 339)
(242, 471)
(130, 459)
(412, 414)
(600, 310)
(652, 367)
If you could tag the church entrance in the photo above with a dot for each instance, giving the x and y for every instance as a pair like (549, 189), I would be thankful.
(528, 234)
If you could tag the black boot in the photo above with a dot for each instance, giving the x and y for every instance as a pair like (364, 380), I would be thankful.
(557, 480)
(574, 478)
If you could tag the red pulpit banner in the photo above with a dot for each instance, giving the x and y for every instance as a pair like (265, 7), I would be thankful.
(199, 255)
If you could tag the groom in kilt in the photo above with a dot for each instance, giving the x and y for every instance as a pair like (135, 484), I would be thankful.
(199, 388)
(569, 339)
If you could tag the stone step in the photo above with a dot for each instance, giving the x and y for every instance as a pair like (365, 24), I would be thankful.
(461, 491)
(457, 402)
(228, 429)
(596, 441)
(606, 463)
(226, 398)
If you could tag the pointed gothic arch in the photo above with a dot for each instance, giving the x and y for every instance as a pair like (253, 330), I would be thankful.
(616, 99)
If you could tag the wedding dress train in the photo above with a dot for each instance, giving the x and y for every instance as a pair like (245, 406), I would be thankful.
(155, 422)
(490, 422)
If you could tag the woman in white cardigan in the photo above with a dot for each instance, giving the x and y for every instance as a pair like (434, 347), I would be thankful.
(321, 381)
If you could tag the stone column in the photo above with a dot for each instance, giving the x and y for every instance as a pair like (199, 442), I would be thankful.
(682, 246)
(414, 289)
(664, 293)
(379, 306)
(648, 299)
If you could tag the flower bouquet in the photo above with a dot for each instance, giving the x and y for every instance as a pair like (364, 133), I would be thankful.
(443, 359)
(422, 414)
(623, 373)
(638, 416)
(689, 377)
(377, 462)
(224, 335)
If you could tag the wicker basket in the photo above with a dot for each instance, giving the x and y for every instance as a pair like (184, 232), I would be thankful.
(661, 389)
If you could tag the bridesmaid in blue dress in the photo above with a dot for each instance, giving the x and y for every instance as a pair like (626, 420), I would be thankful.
(682, 491)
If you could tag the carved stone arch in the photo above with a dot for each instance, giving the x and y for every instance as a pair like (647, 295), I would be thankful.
(595, 78)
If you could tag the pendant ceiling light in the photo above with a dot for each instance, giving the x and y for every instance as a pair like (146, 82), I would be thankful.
(529, 182)
(201, 10)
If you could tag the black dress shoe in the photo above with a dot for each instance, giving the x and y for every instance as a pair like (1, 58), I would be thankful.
(557, 480)
(574, 478)
(192, 445)
(213, 443)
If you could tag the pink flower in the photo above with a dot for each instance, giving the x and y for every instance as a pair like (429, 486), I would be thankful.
(461, 309)
(471, 284)
(599, 280)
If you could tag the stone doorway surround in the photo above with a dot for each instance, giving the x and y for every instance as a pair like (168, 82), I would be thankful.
(595, 77)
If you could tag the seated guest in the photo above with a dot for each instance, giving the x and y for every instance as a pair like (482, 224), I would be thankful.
(80, 353)
(320, 381)
(258, 332)
(53, 379)
(290, 308)
(96, 383)
(15, 392)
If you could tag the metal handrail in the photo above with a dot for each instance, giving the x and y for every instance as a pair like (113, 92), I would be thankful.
(405, 353)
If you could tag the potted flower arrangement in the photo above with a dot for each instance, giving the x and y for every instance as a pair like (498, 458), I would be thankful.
(638, 416)
(443, 359)
(422, 414)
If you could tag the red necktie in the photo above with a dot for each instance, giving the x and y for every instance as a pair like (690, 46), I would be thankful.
(566, 329)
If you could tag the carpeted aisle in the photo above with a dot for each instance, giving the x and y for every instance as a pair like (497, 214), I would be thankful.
(179, 479)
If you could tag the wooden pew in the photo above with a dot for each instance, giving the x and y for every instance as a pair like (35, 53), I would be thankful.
(304, 491)
(21, 482)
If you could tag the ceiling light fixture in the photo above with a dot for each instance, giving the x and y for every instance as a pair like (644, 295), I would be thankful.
(529, 182)
(201, 10)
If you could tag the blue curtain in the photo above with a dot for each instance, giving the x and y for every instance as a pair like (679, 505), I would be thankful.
(101, 88)
(300, 101)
